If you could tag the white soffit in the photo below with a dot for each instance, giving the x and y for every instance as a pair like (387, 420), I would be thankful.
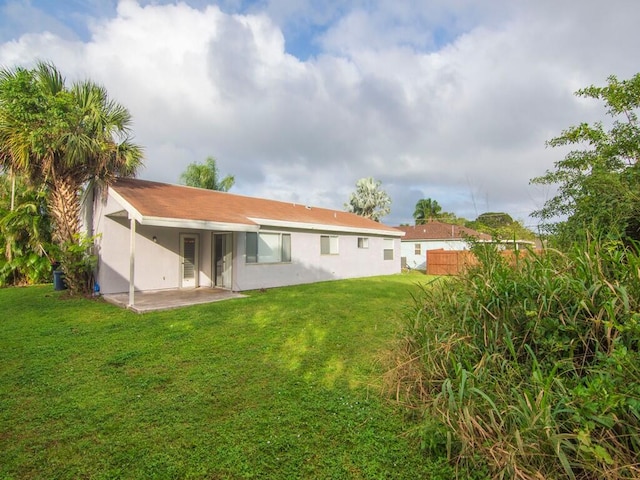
(196, 224)
(265, 222)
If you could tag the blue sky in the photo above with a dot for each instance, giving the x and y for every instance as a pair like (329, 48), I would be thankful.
(450, 100)
(302, 23)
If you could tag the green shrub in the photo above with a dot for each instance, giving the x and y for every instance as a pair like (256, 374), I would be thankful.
(25, 235)
(535, 367)
(78, 261)
(24, 268)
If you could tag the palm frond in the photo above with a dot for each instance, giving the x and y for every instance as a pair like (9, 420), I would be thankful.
(49, 78)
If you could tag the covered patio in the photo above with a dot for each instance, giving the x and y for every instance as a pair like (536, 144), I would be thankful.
(167, 299)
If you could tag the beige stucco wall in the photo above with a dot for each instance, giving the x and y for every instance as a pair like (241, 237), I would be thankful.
(308, 265)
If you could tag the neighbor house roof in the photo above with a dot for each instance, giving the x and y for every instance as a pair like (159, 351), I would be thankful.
(161, 204)
(434, 230)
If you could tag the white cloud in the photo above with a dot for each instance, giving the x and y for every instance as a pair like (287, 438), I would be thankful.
(436, 99)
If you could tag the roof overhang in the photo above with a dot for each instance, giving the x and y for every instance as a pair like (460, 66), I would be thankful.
(267, 222)
(448, 239)
(196, 224)
(169, 222)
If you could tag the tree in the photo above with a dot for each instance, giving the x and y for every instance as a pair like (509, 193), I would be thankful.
(495, 219)
(62, 139)
(206, 176)
(599, 182)
(369, 200)
(425, 210)
(452, 218)
(25, 231)
(502, 226)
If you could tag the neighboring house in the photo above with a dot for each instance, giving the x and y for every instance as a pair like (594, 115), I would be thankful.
(434, 235)
(154, 236)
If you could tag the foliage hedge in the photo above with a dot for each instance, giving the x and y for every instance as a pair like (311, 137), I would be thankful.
(25, 235)
(532, 370)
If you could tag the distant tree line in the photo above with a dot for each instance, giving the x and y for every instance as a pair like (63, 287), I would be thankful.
(371, 201)
(499, 225)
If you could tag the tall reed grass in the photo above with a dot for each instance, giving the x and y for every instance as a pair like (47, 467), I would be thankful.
(531, 369)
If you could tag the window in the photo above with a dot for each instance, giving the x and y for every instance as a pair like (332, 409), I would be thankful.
(328, 244)
(388, 248)
(268, 247)
(363, 242)
(418, 249)
(286, 248)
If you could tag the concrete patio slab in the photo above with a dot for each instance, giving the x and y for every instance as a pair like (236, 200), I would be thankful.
(168, 299)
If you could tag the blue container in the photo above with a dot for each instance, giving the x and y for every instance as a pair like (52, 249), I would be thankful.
(58, 280)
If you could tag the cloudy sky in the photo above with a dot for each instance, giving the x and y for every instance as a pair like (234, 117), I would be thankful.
(445, 99)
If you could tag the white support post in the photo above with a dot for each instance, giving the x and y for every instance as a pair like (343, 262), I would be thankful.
(132, 261)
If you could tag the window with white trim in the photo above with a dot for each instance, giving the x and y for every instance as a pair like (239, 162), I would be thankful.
(268, 247)
(328, 244)
(363, 242)
(388, 248)
(418, 249)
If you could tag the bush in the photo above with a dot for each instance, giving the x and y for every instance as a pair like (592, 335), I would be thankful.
(24, 268)
(534, 367)
(25, 235)
(78, 262)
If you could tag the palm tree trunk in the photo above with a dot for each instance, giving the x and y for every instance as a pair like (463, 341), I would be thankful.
(65, 210)
(13, 189)
(9, 249)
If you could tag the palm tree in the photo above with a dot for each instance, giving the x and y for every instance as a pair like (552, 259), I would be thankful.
(206, 176)
(369, 200)
(426, 209)
(63, 139)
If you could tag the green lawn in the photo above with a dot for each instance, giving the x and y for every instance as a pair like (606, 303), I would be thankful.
(282, 384)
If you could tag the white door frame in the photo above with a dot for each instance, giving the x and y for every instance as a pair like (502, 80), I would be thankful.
(190, 282)
(223, 270)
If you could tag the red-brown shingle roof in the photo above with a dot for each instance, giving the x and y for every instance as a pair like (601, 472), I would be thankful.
(435, 230)
(154, 199)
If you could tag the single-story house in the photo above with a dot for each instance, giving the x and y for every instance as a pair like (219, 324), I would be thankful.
(434, 235)
(154, 236)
